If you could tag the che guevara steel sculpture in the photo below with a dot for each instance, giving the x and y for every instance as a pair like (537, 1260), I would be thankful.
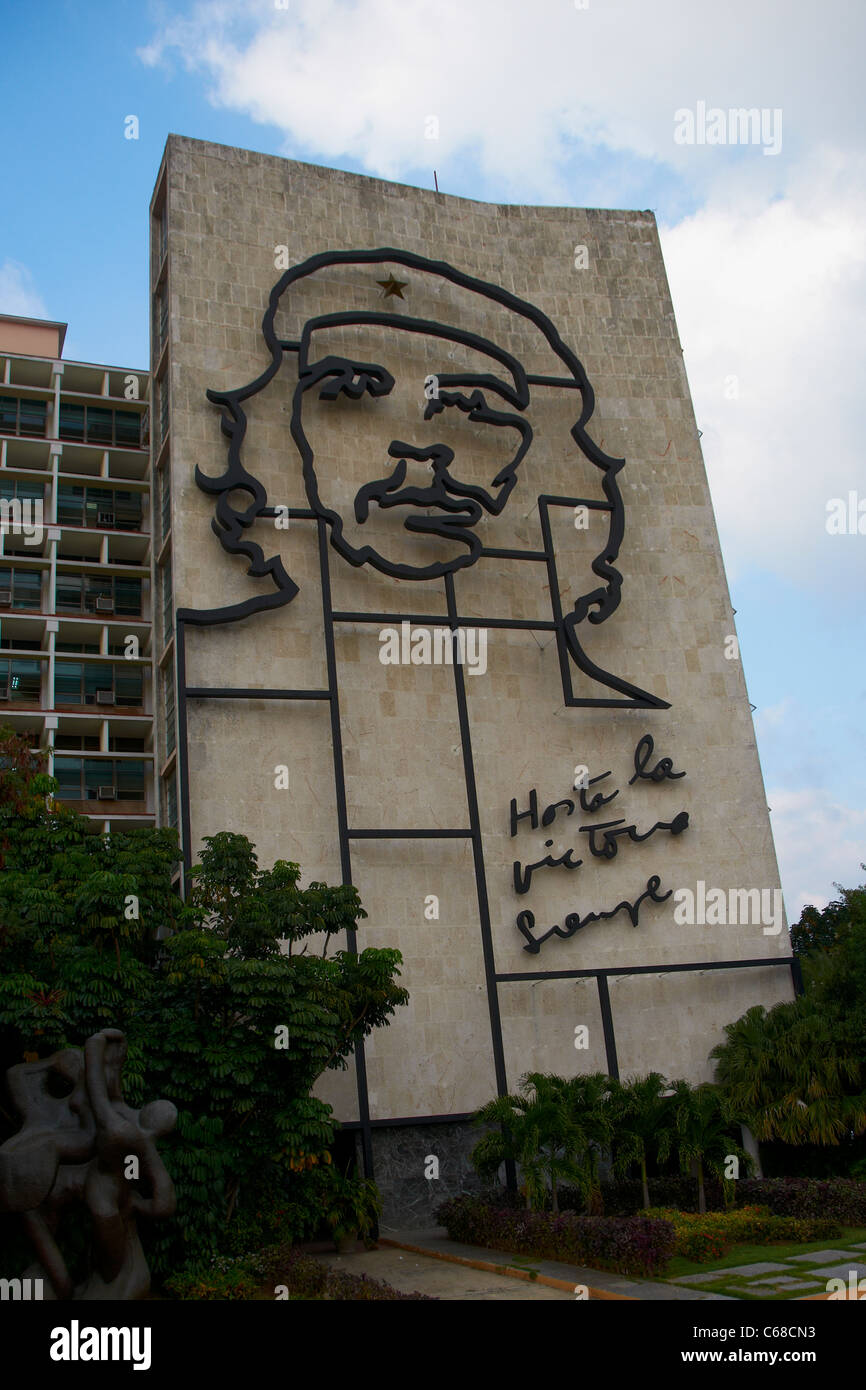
(446, 511)
(80, 1142)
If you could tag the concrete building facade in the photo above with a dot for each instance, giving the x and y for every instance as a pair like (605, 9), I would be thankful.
(75, 560)
(441, 611)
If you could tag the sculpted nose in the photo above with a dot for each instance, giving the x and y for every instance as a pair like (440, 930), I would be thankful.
(424, 462)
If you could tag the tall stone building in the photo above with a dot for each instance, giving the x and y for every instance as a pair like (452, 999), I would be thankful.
(443, 614)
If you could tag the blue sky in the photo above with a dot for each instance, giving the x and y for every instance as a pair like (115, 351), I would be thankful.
(570, 103)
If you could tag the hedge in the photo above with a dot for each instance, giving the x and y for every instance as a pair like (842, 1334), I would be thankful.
(634, 1245)
(843, 1199)
(708, 1237)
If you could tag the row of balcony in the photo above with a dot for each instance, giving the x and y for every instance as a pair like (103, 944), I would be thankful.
(29, 417)
(100, 595)
(119, 685)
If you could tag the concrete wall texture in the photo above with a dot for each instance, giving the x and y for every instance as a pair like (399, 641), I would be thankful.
(228, 210)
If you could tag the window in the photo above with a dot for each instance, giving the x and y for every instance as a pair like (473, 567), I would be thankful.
(165, 580)
(100, 425)
(19, 415)
(162, 399)
(96, 424)
(128, 684)
(168, 705)
(165, 497)
(68, 774)
(25, 587)
(130, 780)
(71, 422)
(127, 597)
(25, 491)
(20, 681)
(98, 507)
(169, 791)
(79, 593)
(160, 321)
(83, 779)
(127, 429)
(81, 682)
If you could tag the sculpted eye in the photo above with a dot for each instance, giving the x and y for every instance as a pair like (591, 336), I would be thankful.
(353, 381)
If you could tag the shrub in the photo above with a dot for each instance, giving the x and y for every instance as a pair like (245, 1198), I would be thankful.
(709, 1237)
(226, 1282)
(843, 1199)
(308, 1278)
(635, 1245)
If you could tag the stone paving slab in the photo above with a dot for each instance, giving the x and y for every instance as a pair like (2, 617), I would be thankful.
(779, 1285)
(819, 1257)
(702, 1278)
(787, 1281)
(838, 1271)
(759, 1267)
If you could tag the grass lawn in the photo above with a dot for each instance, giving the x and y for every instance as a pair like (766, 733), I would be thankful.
(737, 1286)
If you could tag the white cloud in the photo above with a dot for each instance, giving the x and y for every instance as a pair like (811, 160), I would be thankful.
(771, 303)
(558, 104)
(819, 842)
(356, 78)
(18, 294)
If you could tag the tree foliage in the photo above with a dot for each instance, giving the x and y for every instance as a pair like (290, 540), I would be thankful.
(228, 1010)
(797, 1073)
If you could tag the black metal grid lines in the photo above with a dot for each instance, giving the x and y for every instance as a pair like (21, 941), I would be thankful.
(602, 977)
(472, 832)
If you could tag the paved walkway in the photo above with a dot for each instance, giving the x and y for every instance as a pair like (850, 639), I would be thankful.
(411, 1273)
(428, 1262)
(803, 1275)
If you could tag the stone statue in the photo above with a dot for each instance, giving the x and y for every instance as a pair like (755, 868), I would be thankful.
(80, 1142)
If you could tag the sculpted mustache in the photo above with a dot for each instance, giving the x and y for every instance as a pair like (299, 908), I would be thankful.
(386, 492)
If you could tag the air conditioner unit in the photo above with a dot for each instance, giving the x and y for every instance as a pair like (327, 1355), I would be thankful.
(5, 598)
(105, 697)
(105, 519)
(106, 794)
(105, 605)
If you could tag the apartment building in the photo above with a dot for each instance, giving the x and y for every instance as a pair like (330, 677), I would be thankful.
(75, 570)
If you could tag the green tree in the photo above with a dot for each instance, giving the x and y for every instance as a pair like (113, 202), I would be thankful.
(226, 1010)
(819, 929)
(538, 1132)
(699, 1133)
(639, 1114)
(589, 1098)
(789, 1075)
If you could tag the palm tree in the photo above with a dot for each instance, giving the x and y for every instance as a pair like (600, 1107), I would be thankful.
(537, 1132)
(699, 1131)
(639, 1114)
(588, 1097)
(788, 1077)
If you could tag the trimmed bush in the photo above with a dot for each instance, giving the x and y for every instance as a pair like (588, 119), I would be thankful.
(843, 1199)
(634, 1245)
(709, 1237)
